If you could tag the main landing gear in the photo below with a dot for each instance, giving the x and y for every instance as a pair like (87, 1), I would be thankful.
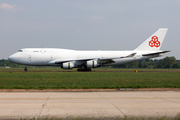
(84, 69)
(25, 69)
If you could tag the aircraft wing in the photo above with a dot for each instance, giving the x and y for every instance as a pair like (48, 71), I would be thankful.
(131, 55)
(111, 60)
(60, 62)
(156, 53)
(104, 60)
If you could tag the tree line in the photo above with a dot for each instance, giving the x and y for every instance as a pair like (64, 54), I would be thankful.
(7, 63)
(167, 62)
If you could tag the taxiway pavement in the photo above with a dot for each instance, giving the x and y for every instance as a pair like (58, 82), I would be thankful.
(89, 104)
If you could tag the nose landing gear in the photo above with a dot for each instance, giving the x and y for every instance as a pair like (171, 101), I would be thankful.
(25, 69)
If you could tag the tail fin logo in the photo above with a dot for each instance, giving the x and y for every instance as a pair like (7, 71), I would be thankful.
(154, 42)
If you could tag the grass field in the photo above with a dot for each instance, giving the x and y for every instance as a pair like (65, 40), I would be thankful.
(58, 69)
(177, 117)
(56, 78)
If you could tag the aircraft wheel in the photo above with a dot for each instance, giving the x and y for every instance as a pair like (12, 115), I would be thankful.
(78, 70)
(25, 69)
(87, 69)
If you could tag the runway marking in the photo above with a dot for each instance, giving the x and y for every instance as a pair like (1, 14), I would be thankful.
(111, 103)
(44, 104)
(89, 98)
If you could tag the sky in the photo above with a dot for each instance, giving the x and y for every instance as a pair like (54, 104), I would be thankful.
(87, 24)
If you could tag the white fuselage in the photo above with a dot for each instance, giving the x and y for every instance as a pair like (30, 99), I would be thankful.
(49, 56)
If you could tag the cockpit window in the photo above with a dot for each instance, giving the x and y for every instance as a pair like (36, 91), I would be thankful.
(20, 51)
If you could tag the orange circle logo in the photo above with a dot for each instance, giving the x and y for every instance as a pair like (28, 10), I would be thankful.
(154, 42)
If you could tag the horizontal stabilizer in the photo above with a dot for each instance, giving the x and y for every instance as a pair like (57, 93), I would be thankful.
(157, 53)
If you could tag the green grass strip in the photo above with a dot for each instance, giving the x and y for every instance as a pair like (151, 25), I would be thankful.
(88, 80)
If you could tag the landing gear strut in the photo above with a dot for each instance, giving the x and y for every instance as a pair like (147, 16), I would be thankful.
(25, 69)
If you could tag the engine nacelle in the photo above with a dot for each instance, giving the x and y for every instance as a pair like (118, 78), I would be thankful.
(92, 64)
(67, 65)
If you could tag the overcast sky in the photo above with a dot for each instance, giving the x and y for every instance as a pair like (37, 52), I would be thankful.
(87, 24)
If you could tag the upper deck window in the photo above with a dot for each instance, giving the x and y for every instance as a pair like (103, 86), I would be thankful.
(20, 51)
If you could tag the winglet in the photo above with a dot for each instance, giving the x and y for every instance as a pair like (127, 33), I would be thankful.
(131, 55)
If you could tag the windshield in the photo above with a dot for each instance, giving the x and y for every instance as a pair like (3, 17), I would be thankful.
(20, 51)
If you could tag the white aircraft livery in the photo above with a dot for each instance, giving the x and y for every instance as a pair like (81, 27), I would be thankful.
(85, 60)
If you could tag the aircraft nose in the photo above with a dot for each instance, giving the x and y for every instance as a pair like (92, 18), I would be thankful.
(12, 58)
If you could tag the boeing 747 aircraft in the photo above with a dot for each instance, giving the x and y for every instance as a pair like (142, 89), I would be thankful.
(85, 60)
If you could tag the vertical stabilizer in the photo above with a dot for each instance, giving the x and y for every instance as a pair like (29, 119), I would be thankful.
(154, 42)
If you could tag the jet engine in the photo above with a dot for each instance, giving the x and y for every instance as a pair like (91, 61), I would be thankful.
(92, 64)
(67, 65)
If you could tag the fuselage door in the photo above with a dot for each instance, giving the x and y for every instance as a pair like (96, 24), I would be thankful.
(51, 58)
(29, 58)
(42, 51)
